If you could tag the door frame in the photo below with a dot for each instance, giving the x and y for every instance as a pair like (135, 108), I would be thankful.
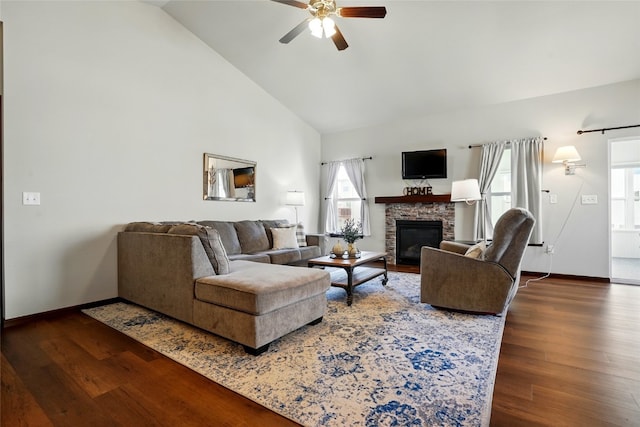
(611, 142)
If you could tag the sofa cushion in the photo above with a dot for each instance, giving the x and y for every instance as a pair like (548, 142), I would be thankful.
(284, 238)
(259, 257)
(228, 235)
(258, 289)
(308, 252)
(252, 236)
(147, 227)
(211, 243)
(284, 256)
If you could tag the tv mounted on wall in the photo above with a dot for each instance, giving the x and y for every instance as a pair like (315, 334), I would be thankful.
(424, 164)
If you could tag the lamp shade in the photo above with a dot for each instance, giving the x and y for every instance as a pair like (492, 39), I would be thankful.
(295, 198)
(465, 191)
(568, 153)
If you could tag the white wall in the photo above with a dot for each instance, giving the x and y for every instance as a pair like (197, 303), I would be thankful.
(582, 247)
(109, 107)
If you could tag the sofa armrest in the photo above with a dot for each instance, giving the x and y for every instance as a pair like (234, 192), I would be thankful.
(320, 240)
(158, 271)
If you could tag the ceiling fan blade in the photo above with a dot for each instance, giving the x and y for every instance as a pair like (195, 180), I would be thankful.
(296, 30)
(362, 12)
(338, 40)
(293, 3)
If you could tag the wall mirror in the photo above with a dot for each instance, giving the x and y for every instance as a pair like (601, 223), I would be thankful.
(229, 179)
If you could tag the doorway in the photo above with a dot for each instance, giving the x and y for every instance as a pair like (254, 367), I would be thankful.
(624, 208)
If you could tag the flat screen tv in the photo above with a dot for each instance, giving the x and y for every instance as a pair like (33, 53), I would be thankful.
(424, 164)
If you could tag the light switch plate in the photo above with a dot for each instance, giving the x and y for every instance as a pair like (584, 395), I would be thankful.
(553, 198)
(589, 199)
(30, 198)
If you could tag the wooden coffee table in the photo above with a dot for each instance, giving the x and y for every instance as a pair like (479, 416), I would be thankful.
(353, 271)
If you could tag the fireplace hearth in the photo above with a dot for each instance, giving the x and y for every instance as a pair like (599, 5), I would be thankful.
(411, 236)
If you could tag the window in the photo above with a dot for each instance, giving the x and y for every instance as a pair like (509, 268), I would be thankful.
(347, 198)
(499, 197)
(625, 197)
(506, 167)
(346, 203)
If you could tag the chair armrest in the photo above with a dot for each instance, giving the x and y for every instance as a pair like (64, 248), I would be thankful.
(319, 240)
(457, 247)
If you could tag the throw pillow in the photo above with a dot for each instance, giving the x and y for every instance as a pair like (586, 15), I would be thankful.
(300, 237)
(211, 242)
(284, 238)
(219, 253)
(268, 224)
(476, 251)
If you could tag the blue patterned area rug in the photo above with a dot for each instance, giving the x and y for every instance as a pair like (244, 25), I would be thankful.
(386, 360)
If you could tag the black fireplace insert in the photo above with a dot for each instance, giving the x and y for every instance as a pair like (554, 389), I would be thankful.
(411, 236)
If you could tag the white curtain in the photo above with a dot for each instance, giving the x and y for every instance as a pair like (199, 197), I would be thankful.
(491, 155)
(331, 223)
(526, 180)
(355, 172)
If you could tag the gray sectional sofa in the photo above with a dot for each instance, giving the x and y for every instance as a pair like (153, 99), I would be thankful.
(224, 277)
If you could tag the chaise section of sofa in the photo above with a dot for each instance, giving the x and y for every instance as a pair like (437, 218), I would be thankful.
(257, 303)
(183, 271)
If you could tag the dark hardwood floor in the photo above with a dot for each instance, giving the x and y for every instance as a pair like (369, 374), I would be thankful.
(570, 356)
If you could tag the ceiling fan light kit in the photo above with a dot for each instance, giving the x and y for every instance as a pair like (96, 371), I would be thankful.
(320, 23)
(324, 26)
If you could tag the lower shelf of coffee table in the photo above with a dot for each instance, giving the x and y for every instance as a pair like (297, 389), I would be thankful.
(360, 275)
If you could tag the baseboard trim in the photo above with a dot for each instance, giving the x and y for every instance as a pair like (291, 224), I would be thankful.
(8, 323)
(53, 313)
(568, 277)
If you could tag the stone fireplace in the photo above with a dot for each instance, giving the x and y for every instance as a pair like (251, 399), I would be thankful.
(415, 209)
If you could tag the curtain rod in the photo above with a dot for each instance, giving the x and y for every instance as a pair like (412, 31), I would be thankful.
(603, 130)
(508, 143)
(326, 163)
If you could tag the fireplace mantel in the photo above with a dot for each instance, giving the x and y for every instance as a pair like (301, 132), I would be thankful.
(429, 198)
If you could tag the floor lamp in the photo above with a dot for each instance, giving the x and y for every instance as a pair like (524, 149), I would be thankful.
(467, 191)
(295, 199)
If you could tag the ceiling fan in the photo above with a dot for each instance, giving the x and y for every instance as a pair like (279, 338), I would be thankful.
(320, 22)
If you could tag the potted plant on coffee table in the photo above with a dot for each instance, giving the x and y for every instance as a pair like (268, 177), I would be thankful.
(352, 231)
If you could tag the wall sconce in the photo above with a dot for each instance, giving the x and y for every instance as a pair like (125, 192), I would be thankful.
(467, 191)
(568, 155)
(295, 199)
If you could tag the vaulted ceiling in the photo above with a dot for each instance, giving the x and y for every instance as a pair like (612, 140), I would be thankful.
(425, 57)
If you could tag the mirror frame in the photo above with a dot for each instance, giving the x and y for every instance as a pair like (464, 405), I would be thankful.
(240, 178)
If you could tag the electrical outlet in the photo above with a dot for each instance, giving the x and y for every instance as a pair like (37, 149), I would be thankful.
(30, 198)
(589, 199)
(551, 249)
